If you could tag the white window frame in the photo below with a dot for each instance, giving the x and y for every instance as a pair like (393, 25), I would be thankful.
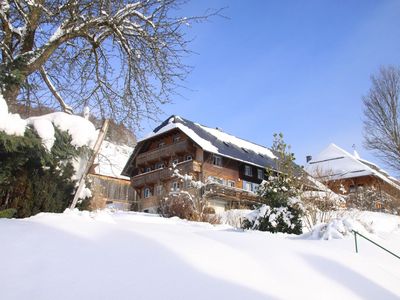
(147, 193)
(260, 174)
(246, 185)
(159, 190)
(217, 160)
(231, 183)
(175, 186)
(248, 170)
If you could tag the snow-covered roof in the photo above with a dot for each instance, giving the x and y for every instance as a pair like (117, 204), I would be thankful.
(217, 142)
(112, 159)
(336, 163)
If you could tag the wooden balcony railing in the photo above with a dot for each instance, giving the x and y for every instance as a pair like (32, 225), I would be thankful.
(235, 194)
(166, 151)
(155, 176)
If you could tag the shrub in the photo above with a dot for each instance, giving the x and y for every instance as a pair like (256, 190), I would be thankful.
(8, 213)
(33, 179)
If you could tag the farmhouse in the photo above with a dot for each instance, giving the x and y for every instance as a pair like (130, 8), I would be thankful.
(232, 168)
(365, 183)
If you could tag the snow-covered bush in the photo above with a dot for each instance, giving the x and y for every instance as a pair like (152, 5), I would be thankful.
(320, 206)
(41, 159)
(336, 228)
(275, 219)
(188, 203)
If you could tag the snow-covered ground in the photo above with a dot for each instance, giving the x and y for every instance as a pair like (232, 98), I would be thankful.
(104, 255)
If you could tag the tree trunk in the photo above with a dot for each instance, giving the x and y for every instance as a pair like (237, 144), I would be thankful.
(10, 95)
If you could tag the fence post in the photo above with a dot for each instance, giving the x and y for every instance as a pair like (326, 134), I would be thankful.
(355, 240)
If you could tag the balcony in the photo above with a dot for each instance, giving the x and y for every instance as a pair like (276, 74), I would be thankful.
(152, 177)
(216, 190)
(164, 152)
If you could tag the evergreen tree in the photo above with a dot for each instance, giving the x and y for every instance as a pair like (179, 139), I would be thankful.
(32, 179)
(281, 210)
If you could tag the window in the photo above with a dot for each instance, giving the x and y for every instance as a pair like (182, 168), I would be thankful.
(161, 144)
(148, 169)
(248, 171)
(159, 189)
(175, 186)
(217, 160)
(146, 193)
(159, 165)
(246, 185)
(352, 188)
(250, 186)
(187, 184)
(175, 162)
(177, 138)
(260, 174)
(231, 183)
(254, 187)
(189, 157)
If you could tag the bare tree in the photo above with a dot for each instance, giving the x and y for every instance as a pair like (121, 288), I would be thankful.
(121, 58)
(382, 114)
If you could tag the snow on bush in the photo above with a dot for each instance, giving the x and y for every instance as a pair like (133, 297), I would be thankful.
(336, 229)
(273, 219)
(234, 217)
(11, 124)
(82, 131)
(364, 222)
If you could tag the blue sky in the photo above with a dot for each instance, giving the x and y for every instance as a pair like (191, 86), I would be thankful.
(297, 67)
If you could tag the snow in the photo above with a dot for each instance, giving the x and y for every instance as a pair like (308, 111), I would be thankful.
(112, 159)
(206, 145)
(11, 124)
(116, 255)
(225, 137)
(45, 130)
(82, 131)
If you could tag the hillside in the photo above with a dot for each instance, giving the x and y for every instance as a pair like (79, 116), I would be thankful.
(104, 255)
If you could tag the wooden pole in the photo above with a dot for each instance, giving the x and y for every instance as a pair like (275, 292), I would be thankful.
(99, 141)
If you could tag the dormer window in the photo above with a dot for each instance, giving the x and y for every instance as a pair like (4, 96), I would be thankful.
(248, 170)
(217, 160)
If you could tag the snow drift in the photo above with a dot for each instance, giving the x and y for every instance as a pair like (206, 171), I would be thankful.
(104, 255)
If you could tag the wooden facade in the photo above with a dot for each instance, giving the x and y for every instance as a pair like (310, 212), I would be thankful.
(110, 191)
(355, 187)
(228, 185)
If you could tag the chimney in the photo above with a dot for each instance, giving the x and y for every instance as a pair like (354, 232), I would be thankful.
(308, 158)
